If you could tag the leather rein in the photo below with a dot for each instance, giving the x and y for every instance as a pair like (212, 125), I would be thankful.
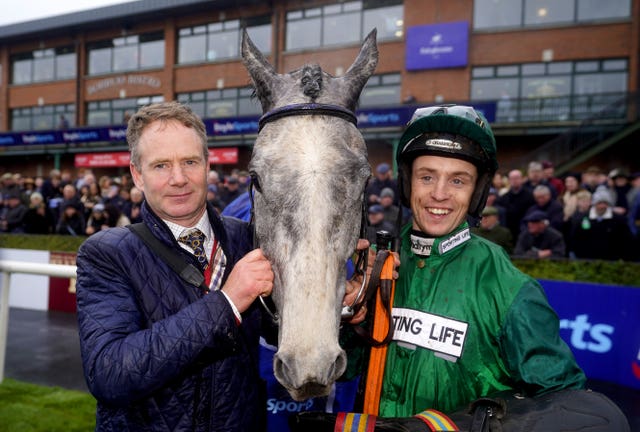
(366, 292)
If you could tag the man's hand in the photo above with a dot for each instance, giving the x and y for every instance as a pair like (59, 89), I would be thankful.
(251, 277)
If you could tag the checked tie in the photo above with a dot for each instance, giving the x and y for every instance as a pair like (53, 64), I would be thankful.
(195, 240)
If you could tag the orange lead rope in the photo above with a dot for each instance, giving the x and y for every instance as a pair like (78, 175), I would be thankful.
(381, 324)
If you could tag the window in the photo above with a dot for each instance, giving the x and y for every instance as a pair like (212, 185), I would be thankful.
(551, 91)
(499, 14)
(127, 53)
(45, 117)
(593, 9)
(43, 65)
(113, 112)
(548, 12)
(495, 14)
(381, 90)
(344, 23)
(221, 40)
(232, 102)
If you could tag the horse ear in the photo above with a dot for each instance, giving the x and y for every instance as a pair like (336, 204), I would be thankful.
(361, 69)
(262, 73)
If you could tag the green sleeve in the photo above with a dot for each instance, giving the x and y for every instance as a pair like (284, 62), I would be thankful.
(538, 360)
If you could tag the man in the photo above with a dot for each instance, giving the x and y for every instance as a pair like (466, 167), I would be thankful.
(539, 240)
(391, 211)
(515, 202)
(491, 229)
(383, 179)
(377, 222)
(535, 177)
(545, 203)
(549, 175)
(446, 159)
(158, 353)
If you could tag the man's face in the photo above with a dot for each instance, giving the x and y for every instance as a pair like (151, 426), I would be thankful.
(601, 207)
(386, 201)
(536, 227)
(515, 179)
(542, 198)
(375, 218)
(441, 189)
(173, 172)
(535, 175)
(488, 221)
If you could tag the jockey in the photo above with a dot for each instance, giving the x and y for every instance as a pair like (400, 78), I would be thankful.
(467, 323)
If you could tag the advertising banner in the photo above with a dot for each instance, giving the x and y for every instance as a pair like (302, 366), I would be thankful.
(437, 46)
(600, 323)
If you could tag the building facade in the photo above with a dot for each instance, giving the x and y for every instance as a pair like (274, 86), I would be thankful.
(557, 80)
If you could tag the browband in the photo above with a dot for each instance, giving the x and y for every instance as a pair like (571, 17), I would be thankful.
(307, 109)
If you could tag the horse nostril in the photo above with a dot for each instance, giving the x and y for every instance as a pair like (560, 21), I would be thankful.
(281, 370)
(338, 367)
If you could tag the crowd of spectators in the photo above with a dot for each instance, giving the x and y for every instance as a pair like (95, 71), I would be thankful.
(80, 204)
(589, 214)
(536, 214)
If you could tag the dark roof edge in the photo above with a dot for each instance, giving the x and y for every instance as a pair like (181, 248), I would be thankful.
(106, 13)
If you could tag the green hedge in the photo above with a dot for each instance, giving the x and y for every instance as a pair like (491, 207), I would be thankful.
(605, 272)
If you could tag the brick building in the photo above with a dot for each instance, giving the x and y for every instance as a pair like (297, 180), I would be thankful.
(557, 80)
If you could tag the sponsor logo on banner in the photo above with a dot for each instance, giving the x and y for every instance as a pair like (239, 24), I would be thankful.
(586, 336)
(274, 406)
(433, 332)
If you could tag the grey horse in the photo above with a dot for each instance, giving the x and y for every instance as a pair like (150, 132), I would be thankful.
(309, 167)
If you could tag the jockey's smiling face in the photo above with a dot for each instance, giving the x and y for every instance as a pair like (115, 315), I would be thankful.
(441, 190)
(173, 172)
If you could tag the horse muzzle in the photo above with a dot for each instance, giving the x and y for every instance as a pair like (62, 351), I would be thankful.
(309, 375)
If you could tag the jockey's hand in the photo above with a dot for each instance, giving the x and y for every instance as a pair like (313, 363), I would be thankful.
(353, 285)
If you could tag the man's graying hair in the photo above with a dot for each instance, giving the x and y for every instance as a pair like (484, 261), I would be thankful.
(163, 112)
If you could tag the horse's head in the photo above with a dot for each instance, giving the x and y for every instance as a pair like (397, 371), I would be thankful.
(309, 166)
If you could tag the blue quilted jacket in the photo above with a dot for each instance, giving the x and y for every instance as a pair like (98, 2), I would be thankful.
(158, 355)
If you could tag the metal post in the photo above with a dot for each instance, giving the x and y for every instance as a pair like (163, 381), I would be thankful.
(4, 319)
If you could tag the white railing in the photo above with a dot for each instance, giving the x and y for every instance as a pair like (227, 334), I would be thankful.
(9, 267)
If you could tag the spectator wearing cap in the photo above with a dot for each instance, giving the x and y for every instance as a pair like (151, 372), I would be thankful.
(14, 215)
(601, 234)
(97, 220)
(231, 190)
(375, 217)
(539, 240)
(516, 201)
(620, 186)
(552, 208)
(593, 177)
(391, 211)
(548, 174)
(491, 229)
(383, 179)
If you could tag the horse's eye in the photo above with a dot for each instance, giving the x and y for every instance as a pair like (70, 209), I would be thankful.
(255, 181)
